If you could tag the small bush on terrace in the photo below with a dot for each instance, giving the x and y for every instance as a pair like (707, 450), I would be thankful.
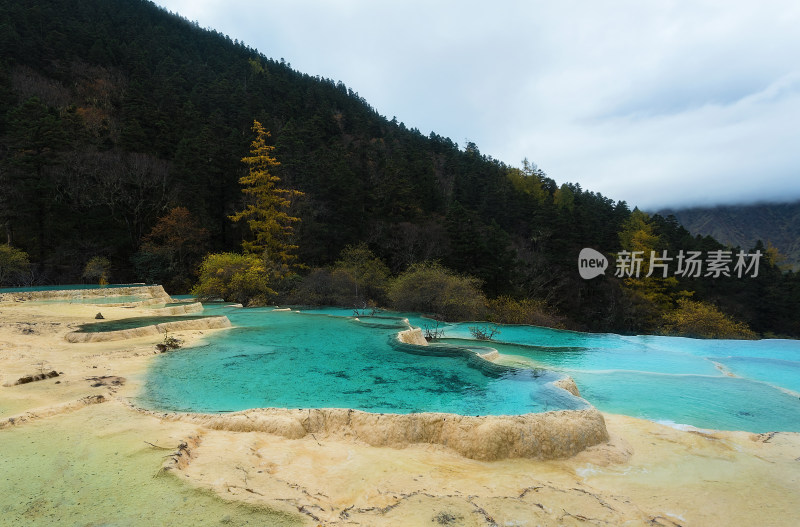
(703, 320)
(326, 287)
(432, 288)
(243, 278)
(14, 263)
(97, 268)
(370, 274)
(533, 312)
(358, 278)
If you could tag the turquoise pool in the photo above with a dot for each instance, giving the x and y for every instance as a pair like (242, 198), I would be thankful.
(302, 360)
(324, 358)
(720, 384)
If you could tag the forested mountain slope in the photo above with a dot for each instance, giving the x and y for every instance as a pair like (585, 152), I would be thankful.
(743, 225)
(115, 112)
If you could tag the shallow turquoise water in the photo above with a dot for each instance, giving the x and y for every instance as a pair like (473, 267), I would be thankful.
(720, 384)
(294, 360)
(779, 372)
(719, 402)
(133, 322)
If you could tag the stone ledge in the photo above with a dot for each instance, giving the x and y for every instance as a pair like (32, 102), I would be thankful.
(218, 322)
(549, 435)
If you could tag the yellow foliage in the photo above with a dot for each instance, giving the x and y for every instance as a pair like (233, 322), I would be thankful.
(528, 180)
(242, 278)
(703, 320)
(637, 234)
(266, 211)
(564, 198)
(533, 312)
(431, 288)
(97, 268)
(14, 263)
(649, 296)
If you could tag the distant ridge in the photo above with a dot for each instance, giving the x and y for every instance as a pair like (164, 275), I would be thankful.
(744, 225)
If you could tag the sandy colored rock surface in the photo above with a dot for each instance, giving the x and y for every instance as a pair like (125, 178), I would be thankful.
(69, 460)
(146, 293)
(648, 474)
(412, 336)
(184, 309)
(548, 435)
(568, 383)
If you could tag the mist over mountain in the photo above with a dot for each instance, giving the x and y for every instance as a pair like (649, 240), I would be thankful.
(744, 225)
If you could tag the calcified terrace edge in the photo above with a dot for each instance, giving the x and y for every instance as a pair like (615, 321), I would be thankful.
(200, 323)
(149, 294)
(548, 435)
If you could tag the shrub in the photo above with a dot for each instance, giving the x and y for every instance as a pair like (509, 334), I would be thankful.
(357, 279)
(153, 268)
(172, 250)
(14, 264)
(170, 343)
(368, 272)
(243, 278)
(432, 332)
(97, 269)
(431, 288)
(703, 320)
(326, 287)
(533, 312)
(483, 332)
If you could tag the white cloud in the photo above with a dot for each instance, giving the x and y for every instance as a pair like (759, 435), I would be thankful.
(658, 103)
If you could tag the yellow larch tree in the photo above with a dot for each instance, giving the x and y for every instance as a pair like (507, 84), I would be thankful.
(267, 204)
(651, 292)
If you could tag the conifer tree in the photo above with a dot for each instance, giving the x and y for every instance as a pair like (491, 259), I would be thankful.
(651, 290)
(266, 213)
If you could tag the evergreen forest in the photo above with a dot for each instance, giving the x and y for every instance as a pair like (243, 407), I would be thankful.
(122, 133)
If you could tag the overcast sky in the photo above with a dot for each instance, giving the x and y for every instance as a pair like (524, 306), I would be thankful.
(658, 103)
